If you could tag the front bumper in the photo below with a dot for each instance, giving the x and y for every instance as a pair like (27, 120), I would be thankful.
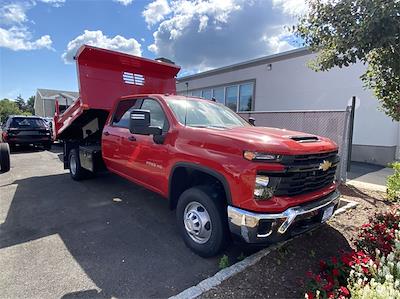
(264, 228)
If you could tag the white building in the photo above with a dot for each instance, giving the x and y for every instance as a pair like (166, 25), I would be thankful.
(284, 82)
(45, 100)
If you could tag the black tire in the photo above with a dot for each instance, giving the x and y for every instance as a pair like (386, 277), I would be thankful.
(4, 157)
(75, 169)
(47, 146)
(216, 210)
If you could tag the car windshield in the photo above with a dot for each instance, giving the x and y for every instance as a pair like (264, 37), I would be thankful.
(205, 114)
(21, 122)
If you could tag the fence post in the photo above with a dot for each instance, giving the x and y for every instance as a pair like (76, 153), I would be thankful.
(351, 128)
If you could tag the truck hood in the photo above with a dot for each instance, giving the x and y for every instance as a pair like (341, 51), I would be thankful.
(274, 140)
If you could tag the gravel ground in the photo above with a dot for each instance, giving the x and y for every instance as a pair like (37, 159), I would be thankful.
(281, 273)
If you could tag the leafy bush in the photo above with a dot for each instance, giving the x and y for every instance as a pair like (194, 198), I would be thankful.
(383, 280)
(378, 233)
(393, 183)
(371, 272)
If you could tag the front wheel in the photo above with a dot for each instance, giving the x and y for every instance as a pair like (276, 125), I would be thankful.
(202, 221)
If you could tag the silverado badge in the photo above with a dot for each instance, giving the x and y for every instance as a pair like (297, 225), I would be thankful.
(325, 165)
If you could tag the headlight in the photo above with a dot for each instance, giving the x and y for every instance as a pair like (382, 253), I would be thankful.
(256, 156)
(262, 190)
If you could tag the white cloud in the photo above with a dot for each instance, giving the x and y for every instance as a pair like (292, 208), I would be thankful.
(205, 34)
(156, 11)
(292, 7)
(13, 13)
(124, 2)
(98, 39)
(278, 43)
(55, 3)
(19, 38)
(14, 32)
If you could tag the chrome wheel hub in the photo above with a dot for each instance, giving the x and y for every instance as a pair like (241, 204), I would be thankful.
(197, 222)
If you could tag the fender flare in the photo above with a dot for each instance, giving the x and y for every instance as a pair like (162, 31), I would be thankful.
(204, 169)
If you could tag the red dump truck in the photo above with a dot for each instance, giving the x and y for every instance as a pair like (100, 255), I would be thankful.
(225, 177)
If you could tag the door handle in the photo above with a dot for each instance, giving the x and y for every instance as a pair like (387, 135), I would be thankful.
(131, 138)
(106, 133)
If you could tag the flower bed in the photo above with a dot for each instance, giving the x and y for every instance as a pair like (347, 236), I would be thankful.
(372, 271)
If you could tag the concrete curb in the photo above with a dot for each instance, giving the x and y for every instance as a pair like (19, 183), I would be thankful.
(367, 186)
(213, 281)
(350, 204)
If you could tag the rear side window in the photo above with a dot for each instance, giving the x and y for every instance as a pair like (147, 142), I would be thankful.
(21, 122)
(121, 115)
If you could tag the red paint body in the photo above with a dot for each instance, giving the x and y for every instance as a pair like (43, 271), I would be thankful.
(150, 164)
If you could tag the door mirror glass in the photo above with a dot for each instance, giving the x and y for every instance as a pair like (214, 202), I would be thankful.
(139, 123)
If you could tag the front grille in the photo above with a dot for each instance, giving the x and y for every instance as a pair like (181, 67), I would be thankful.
(303, 173)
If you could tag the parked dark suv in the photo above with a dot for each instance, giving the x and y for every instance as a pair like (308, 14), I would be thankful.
(26, 130)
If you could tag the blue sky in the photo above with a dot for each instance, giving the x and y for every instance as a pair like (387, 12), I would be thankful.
(38, 38)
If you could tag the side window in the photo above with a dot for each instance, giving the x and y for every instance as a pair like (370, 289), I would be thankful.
(121, 115)
(157, 116)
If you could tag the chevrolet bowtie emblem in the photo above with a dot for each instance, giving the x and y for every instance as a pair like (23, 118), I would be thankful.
(325, 165)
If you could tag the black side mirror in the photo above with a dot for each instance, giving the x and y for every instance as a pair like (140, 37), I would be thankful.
(139, 123)
(252, 121)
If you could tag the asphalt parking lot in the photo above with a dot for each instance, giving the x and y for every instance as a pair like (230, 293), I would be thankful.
(99, 238)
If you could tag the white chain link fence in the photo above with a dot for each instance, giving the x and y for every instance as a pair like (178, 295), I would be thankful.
(333, 124)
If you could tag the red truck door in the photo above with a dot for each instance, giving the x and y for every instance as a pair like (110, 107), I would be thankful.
(138, 157)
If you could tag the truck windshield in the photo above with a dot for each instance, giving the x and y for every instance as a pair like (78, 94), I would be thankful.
(205, 114)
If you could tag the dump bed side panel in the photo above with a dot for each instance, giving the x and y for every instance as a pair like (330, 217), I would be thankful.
(105, 76)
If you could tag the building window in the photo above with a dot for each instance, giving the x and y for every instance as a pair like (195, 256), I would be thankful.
(245, 97)
(206, 94)
(231, 97)
(219, 94)
(196, 93)
(238, 97)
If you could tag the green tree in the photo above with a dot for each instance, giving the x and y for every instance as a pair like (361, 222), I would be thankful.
(20, 103)
(346, 31)
(7, 108)
(30, 105)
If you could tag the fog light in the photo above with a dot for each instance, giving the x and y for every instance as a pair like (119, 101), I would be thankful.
(261, 189)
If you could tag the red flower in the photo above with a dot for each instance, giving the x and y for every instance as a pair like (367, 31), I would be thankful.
(309, 274)
(335, 272)
(344, 291)
(310, 295)
(328, 286)
(318, 278)
(322, 265)
(365, 260)
(334, 260)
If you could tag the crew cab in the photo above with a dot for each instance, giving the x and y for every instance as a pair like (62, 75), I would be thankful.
(225, 177)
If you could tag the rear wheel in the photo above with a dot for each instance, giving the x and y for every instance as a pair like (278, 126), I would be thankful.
(202, 221)
(75, 169)
(4, 157)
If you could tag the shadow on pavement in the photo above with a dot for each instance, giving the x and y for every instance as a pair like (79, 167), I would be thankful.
(128, 248)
